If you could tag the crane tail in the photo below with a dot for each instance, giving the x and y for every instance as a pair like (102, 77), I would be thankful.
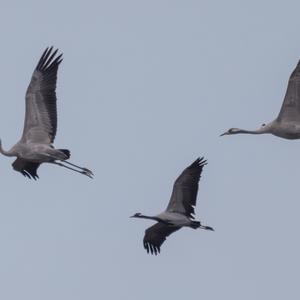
(66, 152)
(195, 224)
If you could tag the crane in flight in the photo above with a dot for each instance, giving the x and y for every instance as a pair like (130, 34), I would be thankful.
(180, 210)
(287, 123)
(36, 144)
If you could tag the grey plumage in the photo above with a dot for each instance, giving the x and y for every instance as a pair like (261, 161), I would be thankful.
(180, 210)
(185, 189)
(40, 125)
(290, 109)
(287, 123)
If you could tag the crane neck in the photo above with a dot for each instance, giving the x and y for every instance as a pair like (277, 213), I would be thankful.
(263, 129)
(154, 218)
(147, 217)
(6, 153)
(258, 131)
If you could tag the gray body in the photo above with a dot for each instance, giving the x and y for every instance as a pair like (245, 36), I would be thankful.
(175, 219)
(40, 125)
(287, 123)
(286, 130)
(180, 210)
(36, 152)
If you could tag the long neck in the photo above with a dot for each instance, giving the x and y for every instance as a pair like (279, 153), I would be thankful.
(265, 129)
(155, 218)
(6, 153)
(258, 131)
(147, 217)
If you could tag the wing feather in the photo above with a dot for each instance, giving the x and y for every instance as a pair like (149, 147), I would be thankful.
(185, 189)
(41, 114)
(156, 235)
(27, 168)
(290, 109)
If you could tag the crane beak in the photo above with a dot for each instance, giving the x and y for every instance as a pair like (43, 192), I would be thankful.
(225, 133)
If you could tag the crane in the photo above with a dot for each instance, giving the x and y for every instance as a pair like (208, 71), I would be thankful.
(287, 123)
(180, 210)
(36, 144)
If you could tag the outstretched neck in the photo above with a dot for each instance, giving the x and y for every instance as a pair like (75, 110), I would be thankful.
(147, 217)
(6, 153)
(258, 131)
(264, 129)
(154, 218)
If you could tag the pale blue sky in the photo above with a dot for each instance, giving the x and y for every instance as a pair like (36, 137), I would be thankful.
(145, 87)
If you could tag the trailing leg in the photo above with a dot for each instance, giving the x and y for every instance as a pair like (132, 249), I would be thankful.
(81, 172)
(197, 224)
(83, 169)
(206, 228)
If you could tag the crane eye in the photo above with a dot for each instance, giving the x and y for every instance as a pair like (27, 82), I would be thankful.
(263, 124)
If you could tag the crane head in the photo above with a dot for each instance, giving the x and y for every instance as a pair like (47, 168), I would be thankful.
(231, 131)
(136, 215)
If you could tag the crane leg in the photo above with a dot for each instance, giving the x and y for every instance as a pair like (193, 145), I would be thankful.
(84, 172)
(206, 227)
(83, 169)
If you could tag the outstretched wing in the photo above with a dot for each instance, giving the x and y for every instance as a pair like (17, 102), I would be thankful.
(185, 189)
(156, 235)
(290, 109)
(28, 169)
(41, 117)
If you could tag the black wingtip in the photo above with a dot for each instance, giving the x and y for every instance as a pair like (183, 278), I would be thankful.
(47, 59)
(151, 249)
(27, 174)
(199, 162)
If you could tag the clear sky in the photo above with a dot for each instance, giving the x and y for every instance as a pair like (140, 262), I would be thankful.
(146, 87)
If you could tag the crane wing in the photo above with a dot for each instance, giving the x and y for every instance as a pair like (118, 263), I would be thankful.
(290, 109)
(41, 118)
(27, 168)
(185, 189)
(156, 235)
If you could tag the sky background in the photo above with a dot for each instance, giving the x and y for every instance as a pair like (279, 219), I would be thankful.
(144, 89)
